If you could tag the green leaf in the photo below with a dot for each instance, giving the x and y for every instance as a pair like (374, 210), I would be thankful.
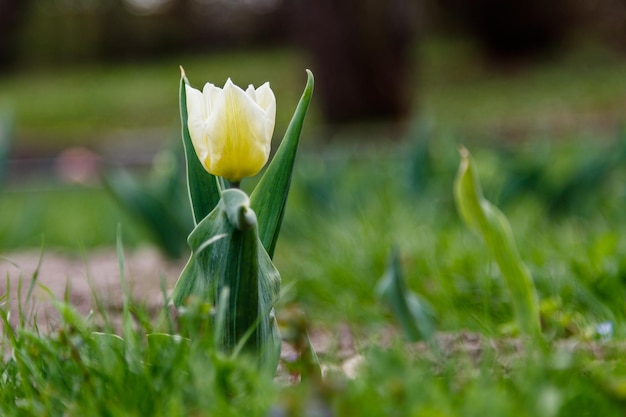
(204, 188)
(270, 195)
(6, 137)
(587, 179)
(489, 222)
(165, 348)
(168, 229)
(131, 342)
(228, 263)
(110, 349)
(413, 314)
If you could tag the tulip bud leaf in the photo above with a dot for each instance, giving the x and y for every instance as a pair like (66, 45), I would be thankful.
(269, 197)
(238, 210)
(204, 188)
(229, 265)
(490, 223)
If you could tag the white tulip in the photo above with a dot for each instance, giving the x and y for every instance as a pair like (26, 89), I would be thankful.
(231, 129)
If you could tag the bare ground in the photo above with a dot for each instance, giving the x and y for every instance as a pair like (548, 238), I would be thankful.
(97, 274)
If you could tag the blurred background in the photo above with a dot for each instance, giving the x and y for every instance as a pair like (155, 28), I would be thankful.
(88, 90)
(90, 140)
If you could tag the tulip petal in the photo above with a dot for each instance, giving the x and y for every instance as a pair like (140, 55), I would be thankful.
(211, 94)
(196, 122)
(238, 135)
(250, 91)
(267, 101)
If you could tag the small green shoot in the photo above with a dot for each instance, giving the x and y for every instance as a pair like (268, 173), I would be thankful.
(414, 315)
(489, 222)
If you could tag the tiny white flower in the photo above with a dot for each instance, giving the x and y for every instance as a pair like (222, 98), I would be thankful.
(605, 330)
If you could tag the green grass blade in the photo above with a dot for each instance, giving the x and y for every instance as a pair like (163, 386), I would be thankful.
(204, 189)
(269, 197)
(165, 348)
(129, 335)
(488, 221)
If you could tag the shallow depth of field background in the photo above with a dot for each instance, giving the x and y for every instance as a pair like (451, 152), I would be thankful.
(537, 91)
(88, 89)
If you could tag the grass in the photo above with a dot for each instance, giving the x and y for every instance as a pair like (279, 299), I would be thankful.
(576, 92)
(350, 205)
(35, 216)
(342, 224)
(346, 211)
(83, 105)
(579, 90)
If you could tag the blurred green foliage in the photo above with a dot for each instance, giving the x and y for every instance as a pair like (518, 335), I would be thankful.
(35, 216)
(337, 205)
(331, 255)
(6, 139)
(158, 201)
(411, 312)
(350, 203)
(90, 104)
(576, 95)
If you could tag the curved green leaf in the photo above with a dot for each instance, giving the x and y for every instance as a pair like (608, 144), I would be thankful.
(485, 218)
(168, 229)
(204, 188)
(270, 195)
(414, 315)
(228, 259)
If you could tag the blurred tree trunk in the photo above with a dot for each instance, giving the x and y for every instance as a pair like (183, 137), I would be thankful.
(515, 29)
(11, 14)
(130, 35)
(360, 52)
(605, 20)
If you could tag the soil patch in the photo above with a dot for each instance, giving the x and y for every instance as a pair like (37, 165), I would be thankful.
(79, 279)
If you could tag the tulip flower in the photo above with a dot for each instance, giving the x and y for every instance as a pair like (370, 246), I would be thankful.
(231, 129)
(234, 237)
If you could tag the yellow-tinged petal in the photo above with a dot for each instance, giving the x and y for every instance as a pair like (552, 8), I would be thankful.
(237, 135)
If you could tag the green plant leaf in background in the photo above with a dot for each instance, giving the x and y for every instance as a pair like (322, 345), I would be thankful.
(227, 257)
(161, 209)
(571, 192)
(6, 137)
(489, 222)
(588, 178)
(414, 315)
(270, 195)
(204, 188)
